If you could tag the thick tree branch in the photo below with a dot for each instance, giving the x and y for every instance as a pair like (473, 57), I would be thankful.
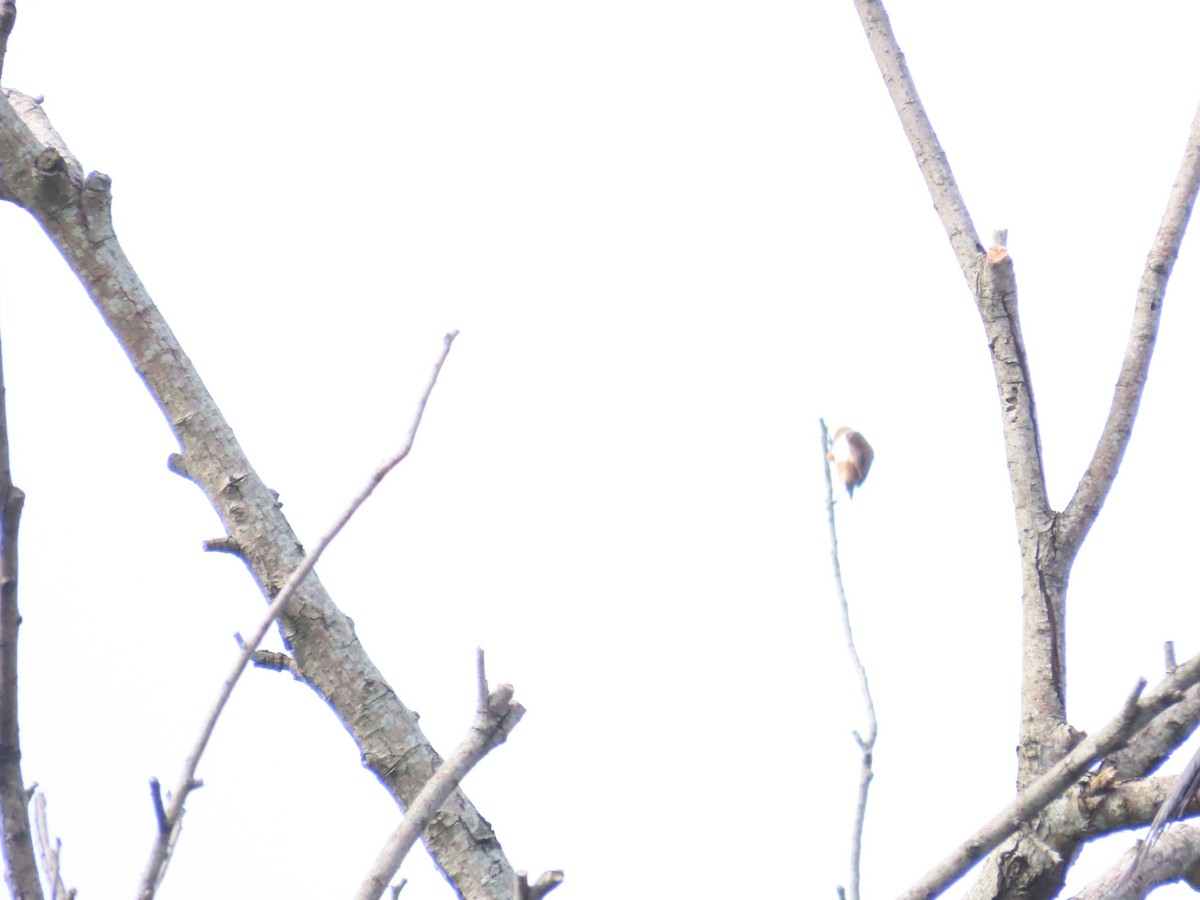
(171, 818)
(40, 174)
(1137, 714)
(1094, 486)
(947, 199)
(496, 714)
(1044, 734)
(1175, 858)
(8, 18)
(1030, 801)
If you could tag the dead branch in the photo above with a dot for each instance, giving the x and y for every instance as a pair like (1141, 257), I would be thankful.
(39, 173)
(51, 852)
(1175, 858)
(20, 862)
(165, 839)
(495, 716)
(540, 888)
(1143, 714)
(866, 744)
(8, 18)
(1044, 732)
(1030, 801)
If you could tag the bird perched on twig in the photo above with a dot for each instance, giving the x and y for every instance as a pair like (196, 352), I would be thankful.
(852, 457)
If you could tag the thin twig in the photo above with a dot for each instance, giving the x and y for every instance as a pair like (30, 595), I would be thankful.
(160, 853)
(866, 744)
(21, 863)
(495, 716)
(51, 852)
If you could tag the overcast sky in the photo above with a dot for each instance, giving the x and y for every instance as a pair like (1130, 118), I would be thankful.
(673, 236)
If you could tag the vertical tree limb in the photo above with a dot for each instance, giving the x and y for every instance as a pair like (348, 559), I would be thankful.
(1044, 733)
(866, 743)
(19, 861)
(1049, 542)
(8, 18)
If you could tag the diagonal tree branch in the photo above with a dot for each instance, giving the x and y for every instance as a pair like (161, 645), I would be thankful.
(170, 819)
(1094, 486)
(39, 173)
(1141, 715)
(1175, 858)
(496, 714)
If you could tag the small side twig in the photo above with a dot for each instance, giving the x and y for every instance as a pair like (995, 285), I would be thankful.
(866, 743)
(495, 716)
(160, 853)
(540, 888)
(160, 811)
(51, 852)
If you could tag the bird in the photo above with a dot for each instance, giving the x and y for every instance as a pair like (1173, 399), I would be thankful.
(852, 456)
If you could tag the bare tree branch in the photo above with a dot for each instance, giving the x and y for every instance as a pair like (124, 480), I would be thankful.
(1094, 486)
(39, 173)
(1176, 857)
(21, 872)
(165, 839)
(1155, 704)
(1030, 801)
(8, 18)
(866, 744)
(495, 716)
(1173, 807)
(51, 852)
(540, 888)
(1147, 750)
(1044, 732)
(947, 199)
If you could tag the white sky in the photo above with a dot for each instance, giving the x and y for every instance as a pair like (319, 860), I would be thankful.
(673, 235)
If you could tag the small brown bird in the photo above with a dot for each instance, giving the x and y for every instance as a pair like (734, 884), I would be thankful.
(852, 456)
